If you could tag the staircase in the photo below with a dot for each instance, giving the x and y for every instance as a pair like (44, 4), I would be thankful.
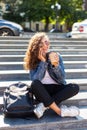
(74, 53)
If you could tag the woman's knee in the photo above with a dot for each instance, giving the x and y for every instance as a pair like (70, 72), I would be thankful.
(75, 87)
(35, 84)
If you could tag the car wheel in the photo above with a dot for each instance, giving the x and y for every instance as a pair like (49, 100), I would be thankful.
(6, 32)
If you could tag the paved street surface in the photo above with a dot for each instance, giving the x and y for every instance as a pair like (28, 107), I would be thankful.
(59, 35)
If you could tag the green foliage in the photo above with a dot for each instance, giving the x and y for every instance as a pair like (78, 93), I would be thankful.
(37, 10)
(13, 17)
(71, 12)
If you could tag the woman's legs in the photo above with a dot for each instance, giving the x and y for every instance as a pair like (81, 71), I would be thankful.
(51, 95)
(43, 96)
(66, 91)
(55, 108)
(41, 93)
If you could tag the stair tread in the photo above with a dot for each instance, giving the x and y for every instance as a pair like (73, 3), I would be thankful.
(66, 62)
(49, 120)
(80, 96)
(63, 55)
(79, 81)
(26, 72)
(53, 43)
(7, 83)
(71, 49)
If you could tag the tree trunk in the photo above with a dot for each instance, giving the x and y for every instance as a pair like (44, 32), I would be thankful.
(47, 24)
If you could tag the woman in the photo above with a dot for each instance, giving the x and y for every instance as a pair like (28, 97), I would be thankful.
(48, 78)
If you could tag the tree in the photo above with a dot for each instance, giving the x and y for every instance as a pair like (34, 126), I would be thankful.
(11, 9)
(71, 11)
(37, 10)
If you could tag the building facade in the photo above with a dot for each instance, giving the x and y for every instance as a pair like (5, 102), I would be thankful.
(84, 5)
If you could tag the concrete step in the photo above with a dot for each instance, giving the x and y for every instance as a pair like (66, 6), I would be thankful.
(74, 53)
(13, 75)
(61, 51)
(23, 74)
(13, 46)
(70, 51)
(76, 73)
(79, 57)
(28, 35)
(23, 43)
(67, 46)
(9, 66)
(79, 100)
(81, 82)
(50, 118)
(55, 45)
(75, 64)
(52, 41)
(11, 58)
(19, 65)
(52, 36)
(18, 50)
(50, 121)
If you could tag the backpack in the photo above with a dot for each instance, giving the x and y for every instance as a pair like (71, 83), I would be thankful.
(18, 101)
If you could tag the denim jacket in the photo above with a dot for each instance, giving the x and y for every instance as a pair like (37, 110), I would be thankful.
(56, 73)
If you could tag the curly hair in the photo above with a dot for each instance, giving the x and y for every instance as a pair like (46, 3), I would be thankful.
(31, 57)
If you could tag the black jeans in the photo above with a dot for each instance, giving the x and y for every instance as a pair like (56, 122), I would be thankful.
(49, 93)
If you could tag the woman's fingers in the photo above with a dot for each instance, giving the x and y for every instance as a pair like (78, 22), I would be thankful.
(41, 55)
(54, 56)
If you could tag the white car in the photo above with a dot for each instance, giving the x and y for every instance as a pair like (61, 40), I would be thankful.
(79, 29)
(69, 34)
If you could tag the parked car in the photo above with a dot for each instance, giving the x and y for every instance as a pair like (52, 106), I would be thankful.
(8, 28)
(54, 30)
(79, 30)
(69, 34)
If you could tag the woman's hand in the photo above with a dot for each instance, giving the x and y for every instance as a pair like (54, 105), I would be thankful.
(41, 55)
(54, 58)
